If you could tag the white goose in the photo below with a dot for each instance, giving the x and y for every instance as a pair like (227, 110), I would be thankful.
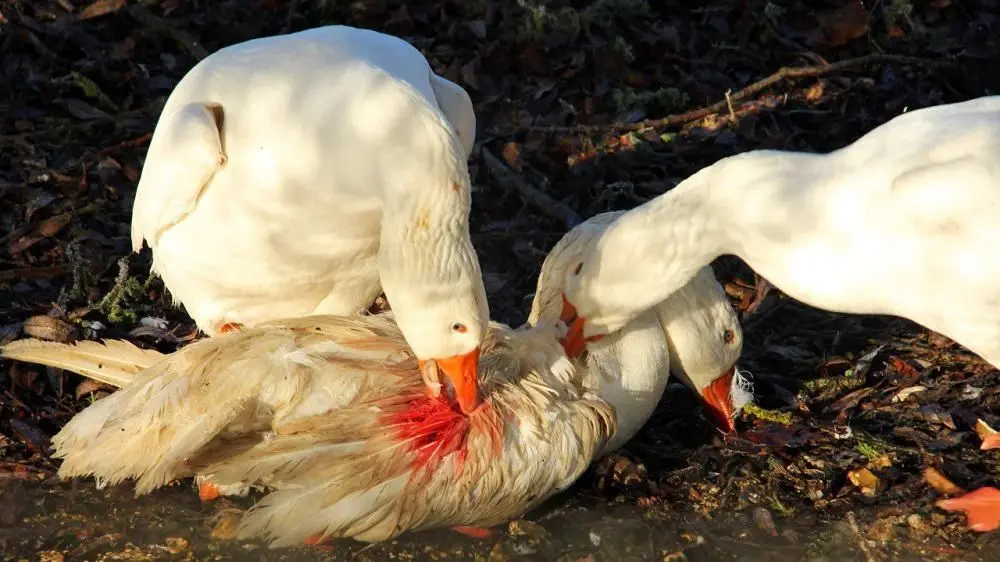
(905, 222)
(305, 174)
(699, 326)
(329, 414)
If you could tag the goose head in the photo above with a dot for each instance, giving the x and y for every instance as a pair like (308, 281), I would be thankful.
(428, 267)
(705, 340)
(694, 334)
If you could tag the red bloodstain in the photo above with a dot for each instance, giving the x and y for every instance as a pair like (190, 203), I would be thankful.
(433, 428)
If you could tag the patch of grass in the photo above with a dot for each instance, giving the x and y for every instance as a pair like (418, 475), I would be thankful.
(871, 447)
(868, 450)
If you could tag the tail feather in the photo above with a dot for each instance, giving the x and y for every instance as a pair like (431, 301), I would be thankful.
(113, 362)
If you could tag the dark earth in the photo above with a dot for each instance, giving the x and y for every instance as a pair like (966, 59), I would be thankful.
(584, 106)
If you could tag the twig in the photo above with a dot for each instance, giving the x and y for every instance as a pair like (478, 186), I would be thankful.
(531, 194)
(786, 73)
(862, 542)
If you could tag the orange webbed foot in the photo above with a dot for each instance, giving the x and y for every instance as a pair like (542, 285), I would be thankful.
(230, 327)
(474, 532)
(320, 542)
(208, 491)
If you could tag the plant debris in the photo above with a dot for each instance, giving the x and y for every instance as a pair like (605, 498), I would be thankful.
(862, 426)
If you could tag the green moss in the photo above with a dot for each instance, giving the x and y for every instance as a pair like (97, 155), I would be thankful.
(126, 289)
(784, 418)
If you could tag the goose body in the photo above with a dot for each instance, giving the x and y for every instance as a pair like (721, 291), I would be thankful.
(904, 222)
(307, 173)
(329, 413)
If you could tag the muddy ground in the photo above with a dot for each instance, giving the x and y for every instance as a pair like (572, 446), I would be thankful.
(863, 422)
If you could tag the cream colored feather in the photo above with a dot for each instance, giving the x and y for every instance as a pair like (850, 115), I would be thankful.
(114, 362)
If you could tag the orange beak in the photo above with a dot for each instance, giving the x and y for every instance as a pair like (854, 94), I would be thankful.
(718, 401)
(462, 371)
(573, 342)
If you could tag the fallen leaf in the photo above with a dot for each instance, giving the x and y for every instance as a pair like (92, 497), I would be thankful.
(100, 8)
(51, 556)
(226, 524)
(908, 391)
(523, 527)
(883, 461)
(90, 386)
(512, 156)
(815, 92)
(84, 111)
(865, 480)
(176, 545)
(904, 368)
(990, 436)
(842, 25)
(46, 228)
(48, 328)
(981, 507)
(935, 479)
(30, 434)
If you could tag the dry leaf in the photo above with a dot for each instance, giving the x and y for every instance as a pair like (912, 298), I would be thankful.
(523, 527)
(512, 156)
(48, 328)
(882, 462)
(981, 507)
(940, 482)
(90, 386)
(46, 228)
(84, 111)
(30, 434)
(843, 25)
(990, 436)
(865, 480)
(100, 8)
(903, 367)
(906, 392)
(815, 92)
(227, 524)
(176, 545)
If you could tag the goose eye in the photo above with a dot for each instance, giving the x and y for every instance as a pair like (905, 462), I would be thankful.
(728, 336)
(459, 327)
(579, 266)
